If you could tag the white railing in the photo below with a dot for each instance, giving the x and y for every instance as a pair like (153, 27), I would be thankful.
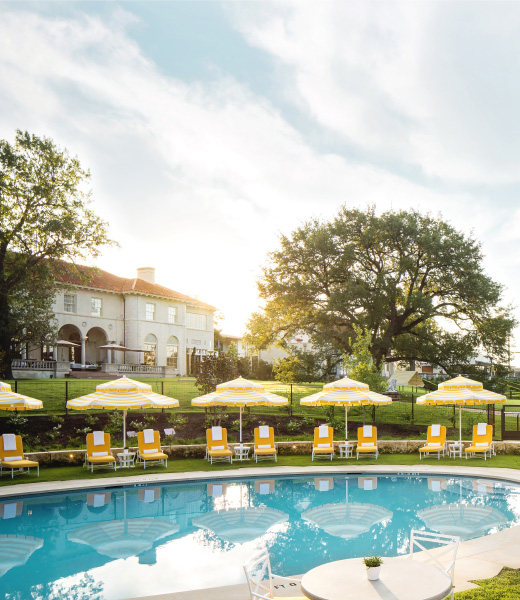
(140, 369)
(36, 365)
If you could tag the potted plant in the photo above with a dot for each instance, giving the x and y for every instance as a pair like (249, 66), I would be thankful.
(373, 565)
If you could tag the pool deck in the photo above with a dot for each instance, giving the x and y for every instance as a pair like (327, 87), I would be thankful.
(479, 558)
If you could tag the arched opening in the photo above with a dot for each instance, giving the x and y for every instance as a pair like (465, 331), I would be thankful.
(70, 333)
(172, 352)
(150, 346)
(95, 337)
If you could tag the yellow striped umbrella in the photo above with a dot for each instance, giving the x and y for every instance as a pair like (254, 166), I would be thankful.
(346, 392)
(240, 392)
(124, 538)
(123, 394)
(10, 400)
(459, 391)
(15, 550)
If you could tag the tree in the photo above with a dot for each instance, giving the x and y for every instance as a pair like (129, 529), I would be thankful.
(214, 369)
(403, 277)
(44, 219)
(360, 365)
(298, 367)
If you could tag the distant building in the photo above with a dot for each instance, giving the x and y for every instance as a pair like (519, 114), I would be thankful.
(165, 333)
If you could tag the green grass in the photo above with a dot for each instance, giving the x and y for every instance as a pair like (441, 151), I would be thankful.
(198, 464)
(505, 586)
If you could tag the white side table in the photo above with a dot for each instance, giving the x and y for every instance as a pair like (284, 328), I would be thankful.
(455, 450)
(346, 450)
(241, 452)
(126, 460)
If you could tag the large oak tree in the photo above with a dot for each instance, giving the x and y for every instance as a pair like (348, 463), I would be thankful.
(44, 219)
(414, 282)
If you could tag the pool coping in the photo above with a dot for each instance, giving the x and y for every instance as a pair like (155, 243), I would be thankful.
(26, 489)
(478, 558)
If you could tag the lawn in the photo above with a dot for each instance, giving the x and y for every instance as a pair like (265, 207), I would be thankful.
(505, 586)
(198, 464)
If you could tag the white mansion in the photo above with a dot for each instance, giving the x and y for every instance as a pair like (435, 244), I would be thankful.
(163, 332)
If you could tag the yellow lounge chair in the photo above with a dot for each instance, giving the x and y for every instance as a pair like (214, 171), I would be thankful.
(264, 443)
(482, 442)
(217, 446)
(435, 441)
(323, 445)
(149, 448)
(12, 456)
(367, 441)
(98, 452)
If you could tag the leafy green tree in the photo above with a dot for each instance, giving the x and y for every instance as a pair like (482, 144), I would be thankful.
(232, 351)
(360, 365)
(214, 369)
(399, 276)
(44, 219)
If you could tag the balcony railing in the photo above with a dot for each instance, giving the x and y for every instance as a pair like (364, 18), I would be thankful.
(140, 369)
(35, 365)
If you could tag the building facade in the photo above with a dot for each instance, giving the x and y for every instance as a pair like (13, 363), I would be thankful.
(151, 329)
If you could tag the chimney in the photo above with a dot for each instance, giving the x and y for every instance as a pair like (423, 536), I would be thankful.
(147, 274)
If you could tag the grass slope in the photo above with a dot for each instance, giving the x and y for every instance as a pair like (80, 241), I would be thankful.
(505, 586)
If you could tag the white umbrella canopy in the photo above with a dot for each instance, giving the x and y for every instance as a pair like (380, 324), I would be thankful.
(15, 550)
(347, 520)
(10, 400)
(463, 520)
(123, 394)
(239, 393)
(461, 391)
(346, 392)
(240, 525)
(123, 538)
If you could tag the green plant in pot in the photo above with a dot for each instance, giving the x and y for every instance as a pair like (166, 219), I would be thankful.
(373, 565)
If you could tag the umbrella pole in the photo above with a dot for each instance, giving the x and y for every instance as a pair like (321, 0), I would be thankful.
(346, 421)
(240, 425)
(124, 433)
(460, 423)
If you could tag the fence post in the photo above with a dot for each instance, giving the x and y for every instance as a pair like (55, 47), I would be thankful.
(16, 386)
(373, 413)
(503, 422)
(162, 388)
(291, 406)
(66, 396)
(413, 406)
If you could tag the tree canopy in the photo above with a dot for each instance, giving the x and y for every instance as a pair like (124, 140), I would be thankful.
(44, 218)
(412, 281)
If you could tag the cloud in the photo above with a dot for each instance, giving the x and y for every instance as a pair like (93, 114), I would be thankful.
(198, 179)
(430, 84)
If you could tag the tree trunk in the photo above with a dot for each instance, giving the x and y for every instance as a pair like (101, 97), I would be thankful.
(6, 371)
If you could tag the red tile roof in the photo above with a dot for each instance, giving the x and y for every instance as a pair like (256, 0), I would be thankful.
(92, 277)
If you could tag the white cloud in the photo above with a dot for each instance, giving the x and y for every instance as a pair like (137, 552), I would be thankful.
(434, 84)
(199, 179)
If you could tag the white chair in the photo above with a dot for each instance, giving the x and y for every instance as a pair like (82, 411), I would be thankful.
(260, 578)
(443, 558)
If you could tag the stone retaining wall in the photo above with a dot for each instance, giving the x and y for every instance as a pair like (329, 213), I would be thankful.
(76, 457)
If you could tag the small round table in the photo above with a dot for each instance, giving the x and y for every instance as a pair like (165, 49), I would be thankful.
(455, 449)
(346, 449)
(126, 460)
(400, 579)
(241, 452)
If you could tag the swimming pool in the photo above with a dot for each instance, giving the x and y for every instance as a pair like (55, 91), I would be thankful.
(110, 544)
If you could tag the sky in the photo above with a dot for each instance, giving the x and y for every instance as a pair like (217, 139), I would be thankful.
(210, 128)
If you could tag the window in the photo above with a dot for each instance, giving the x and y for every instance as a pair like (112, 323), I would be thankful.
(172, 314)
(150, 312)
(172, 352)
(69, 303)
(95, 307)
(196, 321)
(150, 346)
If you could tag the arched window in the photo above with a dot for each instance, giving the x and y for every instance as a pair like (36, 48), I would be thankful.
(150, 345)
(172, 352)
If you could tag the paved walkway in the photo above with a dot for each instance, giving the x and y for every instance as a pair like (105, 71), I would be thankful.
(480, 558)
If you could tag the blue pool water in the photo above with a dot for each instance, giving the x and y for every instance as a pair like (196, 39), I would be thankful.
(121, 543)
